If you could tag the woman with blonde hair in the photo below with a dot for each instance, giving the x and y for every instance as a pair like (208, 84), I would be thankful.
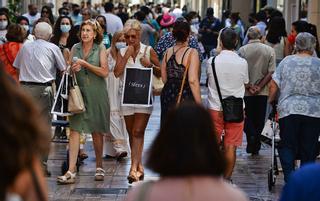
(90, 67)
(116, 142)
(136, 117)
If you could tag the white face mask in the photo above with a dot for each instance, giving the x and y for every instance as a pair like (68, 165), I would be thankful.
(26, 27)
(65, 28)
(195, 21)
(3, 25)
(120, 45)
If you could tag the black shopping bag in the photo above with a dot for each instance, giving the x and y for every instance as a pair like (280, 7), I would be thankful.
(137, 89)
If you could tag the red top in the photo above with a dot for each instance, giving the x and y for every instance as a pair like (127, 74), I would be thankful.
(8, 53)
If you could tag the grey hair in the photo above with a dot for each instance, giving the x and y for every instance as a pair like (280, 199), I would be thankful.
(43, 31)
(253, 33)
(305, 42)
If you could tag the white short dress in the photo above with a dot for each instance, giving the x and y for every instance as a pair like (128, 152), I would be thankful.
(131, 110)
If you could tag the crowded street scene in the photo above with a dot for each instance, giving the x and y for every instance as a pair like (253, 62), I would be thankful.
(156, 100)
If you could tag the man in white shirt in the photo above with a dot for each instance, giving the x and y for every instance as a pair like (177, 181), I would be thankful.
(33, 15)
(37, 63)
(114, 23)
(232, 74)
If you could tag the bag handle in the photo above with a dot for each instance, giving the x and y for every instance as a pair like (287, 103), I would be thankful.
(183, 80)
(216, 79)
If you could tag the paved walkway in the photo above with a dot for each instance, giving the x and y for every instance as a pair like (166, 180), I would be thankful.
(250, 172)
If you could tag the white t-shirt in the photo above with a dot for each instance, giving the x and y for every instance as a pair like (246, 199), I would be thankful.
(232, 73)
(114, 23)
(32, 19)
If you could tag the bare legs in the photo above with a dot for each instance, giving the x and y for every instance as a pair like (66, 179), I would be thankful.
(74, 144)
(230, 155)
(136, 125)
(98, 148)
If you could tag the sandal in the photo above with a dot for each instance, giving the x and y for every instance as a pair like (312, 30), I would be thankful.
(132, 177)
(140, 175)
(99, 176)
(68, 178)
(83, 156)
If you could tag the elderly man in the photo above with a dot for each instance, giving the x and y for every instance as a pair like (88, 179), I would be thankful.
(36, 63)
(261, 64)
(298, 80)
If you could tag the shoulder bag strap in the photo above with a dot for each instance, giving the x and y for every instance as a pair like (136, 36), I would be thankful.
(36, 185)
(216, 78)
(183, 80)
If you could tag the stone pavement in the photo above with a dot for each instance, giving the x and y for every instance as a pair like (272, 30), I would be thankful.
(250, 172)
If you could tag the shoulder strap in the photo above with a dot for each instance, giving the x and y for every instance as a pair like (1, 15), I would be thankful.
(36, 185)
(183, 81)
(216, 78)
(145, 51)
(184, 54)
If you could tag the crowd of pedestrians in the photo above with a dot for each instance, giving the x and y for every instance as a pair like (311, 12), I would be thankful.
(259, 64)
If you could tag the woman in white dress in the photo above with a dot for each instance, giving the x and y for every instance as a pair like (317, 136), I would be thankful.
(116, 142)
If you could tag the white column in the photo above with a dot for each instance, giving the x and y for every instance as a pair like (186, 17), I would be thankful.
(314, 14)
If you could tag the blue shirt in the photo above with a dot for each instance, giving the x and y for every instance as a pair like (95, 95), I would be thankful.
(303, 185)
(262, 28)
(298, 79)
(167, 41)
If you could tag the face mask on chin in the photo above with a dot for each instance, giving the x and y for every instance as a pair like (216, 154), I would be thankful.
(3, 25)
(120, 45)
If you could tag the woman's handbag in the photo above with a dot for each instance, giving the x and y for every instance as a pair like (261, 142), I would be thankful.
(232, 107)
(75, 99)
(157, 83)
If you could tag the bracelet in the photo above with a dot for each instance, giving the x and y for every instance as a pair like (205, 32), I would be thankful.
(151, 66)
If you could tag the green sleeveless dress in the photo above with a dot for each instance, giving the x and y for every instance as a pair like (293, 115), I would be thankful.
(96, 118)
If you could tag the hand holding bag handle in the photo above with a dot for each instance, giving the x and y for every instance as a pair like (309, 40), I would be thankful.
(183, 80)
(75, 99)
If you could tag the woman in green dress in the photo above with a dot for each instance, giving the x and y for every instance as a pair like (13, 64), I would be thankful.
(90, 66)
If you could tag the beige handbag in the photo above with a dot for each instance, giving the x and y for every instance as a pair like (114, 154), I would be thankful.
(157, 83)
(75, 99)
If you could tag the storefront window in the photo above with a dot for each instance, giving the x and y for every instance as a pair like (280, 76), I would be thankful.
(280, 5)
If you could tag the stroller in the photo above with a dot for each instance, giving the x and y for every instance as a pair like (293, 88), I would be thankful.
(271, 135)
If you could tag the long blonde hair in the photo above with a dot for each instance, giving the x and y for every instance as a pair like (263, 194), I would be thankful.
(115, 38)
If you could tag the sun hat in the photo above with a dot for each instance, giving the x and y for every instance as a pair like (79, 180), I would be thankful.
(167, 20)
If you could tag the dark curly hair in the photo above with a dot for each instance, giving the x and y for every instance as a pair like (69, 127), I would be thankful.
(57, 31)
(49, 11)
(181, 31)
(24, 133)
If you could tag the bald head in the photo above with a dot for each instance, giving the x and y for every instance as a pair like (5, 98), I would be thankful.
(43, 31)
(254, 33)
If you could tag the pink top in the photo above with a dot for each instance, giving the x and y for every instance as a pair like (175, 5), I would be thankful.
(189, 189)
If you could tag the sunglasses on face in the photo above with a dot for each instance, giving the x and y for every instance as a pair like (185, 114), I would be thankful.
(130, 36)
(44, 11)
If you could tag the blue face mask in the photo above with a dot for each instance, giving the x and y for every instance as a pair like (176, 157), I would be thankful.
(120, 45)
(65, 28)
